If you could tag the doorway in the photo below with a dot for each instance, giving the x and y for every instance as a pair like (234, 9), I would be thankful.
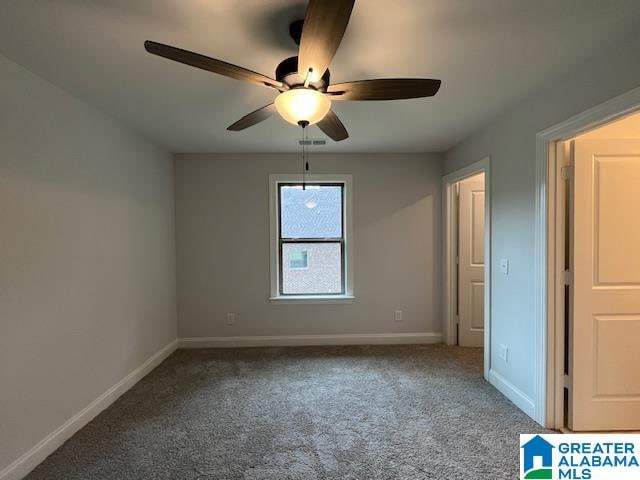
(469, 244)
(594, 278)
(466, 251)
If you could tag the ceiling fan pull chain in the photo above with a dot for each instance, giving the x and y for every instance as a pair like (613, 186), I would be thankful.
(304, 124)
(306, 141)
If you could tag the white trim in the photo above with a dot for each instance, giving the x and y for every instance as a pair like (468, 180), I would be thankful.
(449, 270)
(312, 299)
(274, 179)
(558, 158)
(303, 340)
(31, 459)
(513, 393)
(546, 382)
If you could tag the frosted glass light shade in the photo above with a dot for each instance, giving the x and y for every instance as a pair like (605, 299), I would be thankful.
(302, 104)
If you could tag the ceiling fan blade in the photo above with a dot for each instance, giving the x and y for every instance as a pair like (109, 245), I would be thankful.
(333, 127)
(252, 118)
(210, 64)
(324, 25)
(384, 89)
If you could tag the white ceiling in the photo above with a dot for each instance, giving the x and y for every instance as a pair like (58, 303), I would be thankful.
(488, 53)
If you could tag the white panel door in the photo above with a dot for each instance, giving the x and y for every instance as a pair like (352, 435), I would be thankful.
(471, 262)
(604, 330)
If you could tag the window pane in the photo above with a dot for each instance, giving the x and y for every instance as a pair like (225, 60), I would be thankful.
(315, 212)
(323, 273)
(298, 259)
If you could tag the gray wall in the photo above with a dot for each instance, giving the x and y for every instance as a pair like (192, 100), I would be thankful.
(87, 256)
(511, 142)
(222, 231)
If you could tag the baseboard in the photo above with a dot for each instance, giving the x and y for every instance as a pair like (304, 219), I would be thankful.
(305, 340)
(31, 459)
(522, 401)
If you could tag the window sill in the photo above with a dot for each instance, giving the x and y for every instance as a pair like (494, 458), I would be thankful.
(313, 299)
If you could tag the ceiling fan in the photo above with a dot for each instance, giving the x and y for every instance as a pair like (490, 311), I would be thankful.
(303, 82)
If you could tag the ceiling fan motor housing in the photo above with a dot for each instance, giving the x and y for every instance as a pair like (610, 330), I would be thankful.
(287, 73)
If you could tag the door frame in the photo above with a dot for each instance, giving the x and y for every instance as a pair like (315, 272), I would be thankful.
(449, 254)
(549, 281)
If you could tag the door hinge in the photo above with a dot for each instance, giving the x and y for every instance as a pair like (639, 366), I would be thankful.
(566, 381)
(457, 320)
(567, 277)
(566, 172)
(457, 260)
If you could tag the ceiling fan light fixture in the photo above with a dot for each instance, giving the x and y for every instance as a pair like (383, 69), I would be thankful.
(302, 105)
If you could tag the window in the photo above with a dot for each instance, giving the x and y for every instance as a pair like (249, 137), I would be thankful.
(310, 239)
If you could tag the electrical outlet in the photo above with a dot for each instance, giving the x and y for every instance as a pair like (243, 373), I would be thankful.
(231, 318)
(504, 353)
(504, 266)
(398, 316)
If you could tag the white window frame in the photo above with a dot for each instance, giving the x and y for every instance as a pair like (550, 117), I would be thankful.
(274, 182)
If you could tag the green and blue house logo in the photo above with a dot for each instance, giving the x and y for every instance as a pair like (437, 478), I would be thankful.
(537, 459)
(580, 457)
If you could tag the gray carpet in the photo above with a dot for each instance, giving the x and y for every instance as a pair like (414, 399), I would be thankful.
(388, 412)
